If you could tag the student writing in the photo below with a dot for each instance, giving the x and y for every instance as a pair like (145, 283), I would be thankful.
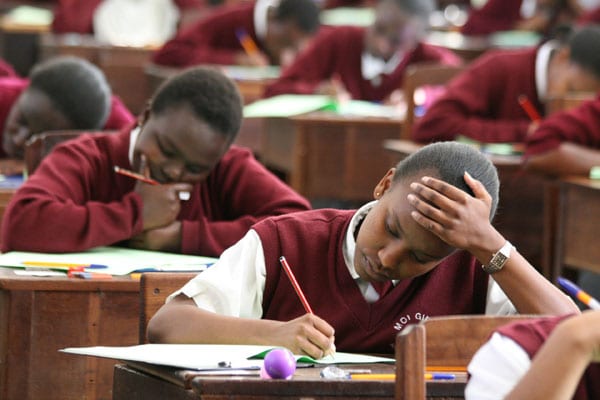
(416, 251)
(62, 93)
(76, 201)
(368, 63)
(277, 29)
(482, 102)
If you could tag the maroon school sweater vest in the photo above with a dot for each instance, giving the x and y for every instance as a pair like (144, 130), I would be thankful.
(312, 243)
(531, 335)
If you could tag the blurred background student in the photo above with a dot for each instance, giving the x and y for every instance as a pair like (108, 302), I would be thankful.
(482, 102)
(364, 63)
(277, 30)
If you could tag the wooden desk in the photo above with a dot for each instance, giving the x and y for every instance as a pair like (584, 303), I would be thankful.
(151, 382)
(522, 209)
(577, 231)
(328, 156)
(39, 316)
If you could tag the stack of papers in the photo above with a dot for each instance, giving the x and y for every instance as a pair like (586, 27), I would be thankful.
(110, 260)
(210, 357)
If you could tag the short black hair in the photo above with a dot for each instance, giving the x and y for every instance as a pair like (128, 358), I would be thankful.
(76, 87)
(585, 48)
(212, 96)
(450, 160)
(303, 13)
(417, 8)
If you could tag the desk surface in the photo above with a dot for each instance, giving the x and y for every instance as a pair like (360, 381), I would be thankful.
(39, 316)
(150, 382)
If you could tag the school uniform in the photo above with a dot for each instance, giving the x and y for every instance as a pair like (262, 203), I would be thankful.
(495, 15)
(213, 39)
(509, 353)
(75, 200)
(580, 125)
(11, 89)
(482, 101)
(339, 52)
(248, 282)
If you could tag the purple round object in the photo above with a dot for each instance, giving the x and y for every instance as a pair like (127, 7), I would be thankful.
(280, 364)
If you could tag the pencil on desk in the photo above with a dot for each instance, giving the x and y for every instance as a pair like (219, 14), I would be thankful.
(61, 265)
(577, 293)
(391, 377)
(529, 108)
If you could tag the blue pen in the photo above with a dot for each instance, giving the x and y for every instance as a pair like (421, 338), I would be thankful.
(577, 293)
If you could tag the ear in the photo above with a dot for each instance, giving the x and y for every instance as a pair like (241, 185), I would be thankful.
(384, 184)
(143, 117)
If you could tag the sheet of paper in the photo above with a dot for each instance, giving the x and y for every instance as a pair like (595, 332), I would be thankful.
(118, 260)
(357, 16)
(203, 357)
(287, 105)
(251, 73)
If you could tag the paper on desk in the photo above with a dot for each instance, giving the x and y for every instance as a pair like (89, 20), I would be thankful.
(119, 260)
(206, 357)
(357, 16)
(251, 73)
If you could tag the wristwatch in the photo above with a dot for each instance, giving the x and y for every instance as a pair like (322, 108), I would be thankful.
(499, 259)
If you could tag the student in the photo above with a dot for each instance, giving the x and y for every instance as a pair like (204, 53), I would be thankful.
(529, 15)
(364, 63)
(482, 102)
(540, 359)
(275, 30)
(76, 201)
(61, 93)
(428, 232)
(566, 143)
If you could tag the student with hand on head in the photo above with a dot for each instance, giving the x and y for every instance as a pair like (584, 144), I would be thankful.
(369, 63)
(414, 252)
(75, 200)
(566, 143)
(482, 101)
(549, 358)
(276, 28)
(61, 93)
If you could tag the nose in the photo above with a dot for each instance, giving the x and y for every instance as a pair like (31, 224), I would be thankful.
(391, 254)
(384, 47)
(174, 170)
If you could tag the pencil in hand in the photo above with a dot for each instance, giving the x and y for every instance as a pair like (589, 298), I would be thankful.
(576, 292)
(182, 195)
(300, 293)
(529, 108)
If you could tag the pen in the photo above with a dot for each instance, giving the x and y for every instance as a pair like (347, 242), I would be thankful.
(145, 179)
(62, 265)
(576, 292)
(247, 43)
(296, 285)
(391, 377)
(529, 109)
(88, 275)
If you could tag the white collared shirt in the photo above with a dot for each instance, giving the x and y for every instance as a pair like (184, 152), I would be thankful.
(261, 9)
(234, 286)
(133, 136)
(542, 60)
(373, 67)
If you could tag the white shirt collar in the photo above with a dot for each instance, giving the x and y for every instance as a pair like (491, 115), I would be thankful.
(261, 9)
(133, 135)
(372, 67)
(542, 60)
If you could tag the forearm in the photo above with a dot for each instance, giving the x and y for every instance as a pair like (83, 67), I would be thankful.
(566, 159)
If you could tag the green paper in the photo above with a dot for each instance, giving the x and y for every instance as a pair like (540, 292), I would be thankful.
(357, 16)
(286, 105)
(515, 39)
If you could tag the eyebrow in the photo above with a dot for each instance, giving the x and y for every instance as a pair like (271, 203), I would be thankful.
(398, 226)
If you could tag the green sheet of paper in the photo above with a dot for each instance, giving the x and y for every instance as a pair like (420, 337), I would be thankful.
(119, 260)
(208, 357)
(28, 15)
(357, 16)
(249, 73)
(515, 39)
(287, 105)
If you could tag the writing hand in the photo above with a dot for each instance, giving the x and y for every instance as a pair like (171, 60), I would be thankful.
(307, 334)
(167, 238)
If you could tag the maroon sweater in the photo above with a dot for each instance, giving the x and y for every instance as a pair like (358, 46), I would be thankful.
(11, 89)
(580, 125)
(75, 201)
(481, 102)
(312, 242)
(212, 40)
(531, 335)
(495, 15)
(336, 52)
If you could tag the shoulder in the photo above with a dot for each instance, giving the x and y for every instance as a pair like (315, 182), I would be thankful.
(340, 34)
(237, 154)
(308, 218)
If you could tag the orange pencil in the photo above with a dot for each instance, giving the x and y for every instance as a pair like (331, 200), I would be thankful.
(295, 284)
(529, 108)
(135, 175)
(247, 43)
